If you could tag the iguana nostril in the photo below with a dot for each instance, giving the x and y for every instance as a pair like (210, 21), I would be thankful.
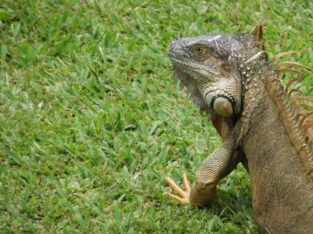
(172, 46)
(223, 107)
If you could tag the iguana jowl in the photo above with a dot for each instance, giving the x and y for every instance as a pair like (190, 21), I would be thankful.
(230, 77)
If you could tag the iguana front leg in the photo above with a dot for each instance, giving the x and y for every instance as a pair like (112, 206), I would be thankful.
(219, 164)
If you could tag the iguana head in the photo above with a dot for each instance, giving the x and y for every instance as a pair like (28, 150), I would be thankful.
(215, 68)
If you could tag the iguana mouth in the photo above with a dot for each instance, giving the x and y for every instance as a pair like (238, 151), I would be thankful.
(180, 60)
(184, 64)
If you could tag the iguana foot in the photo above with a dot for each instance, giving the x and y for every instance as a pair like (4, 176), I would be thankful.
(183, 196)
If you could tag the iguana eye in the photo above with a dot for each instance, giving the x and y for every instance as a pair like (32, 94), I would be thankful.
(199, 52)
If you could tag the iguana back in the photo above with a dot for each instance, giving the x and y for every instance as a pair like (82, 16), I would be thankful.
(282, 187)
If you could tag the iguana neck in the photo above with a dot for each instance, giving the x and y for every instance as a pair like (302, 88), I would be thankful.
(266, 103)
(266, 137)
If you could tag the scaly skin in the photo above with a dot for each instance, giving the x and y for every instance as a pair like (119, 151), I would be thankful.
(229, 77)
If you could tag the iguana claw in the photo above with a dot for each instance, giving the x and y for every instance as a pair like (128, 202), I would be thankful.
(182, 195)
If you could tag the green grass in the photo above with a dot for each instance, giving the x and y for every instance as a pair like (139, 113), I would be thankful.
(91, 121)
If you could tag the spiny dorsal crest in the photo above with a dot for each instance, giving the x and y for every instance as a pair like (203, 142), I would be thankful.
(293, 106)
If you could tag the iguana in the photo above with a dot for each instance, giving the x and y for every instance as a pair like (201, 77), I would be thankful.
(261, 123)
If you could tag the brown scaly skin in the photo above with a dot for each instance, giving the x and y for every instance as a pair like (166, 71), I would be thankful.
(229, 76)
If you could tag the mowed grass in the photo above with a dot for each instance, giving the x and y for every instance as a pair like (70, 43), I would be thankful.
(91, 120)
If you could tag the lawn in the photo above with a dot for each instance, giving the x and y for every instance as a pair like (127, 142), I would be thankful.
(91, 120)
